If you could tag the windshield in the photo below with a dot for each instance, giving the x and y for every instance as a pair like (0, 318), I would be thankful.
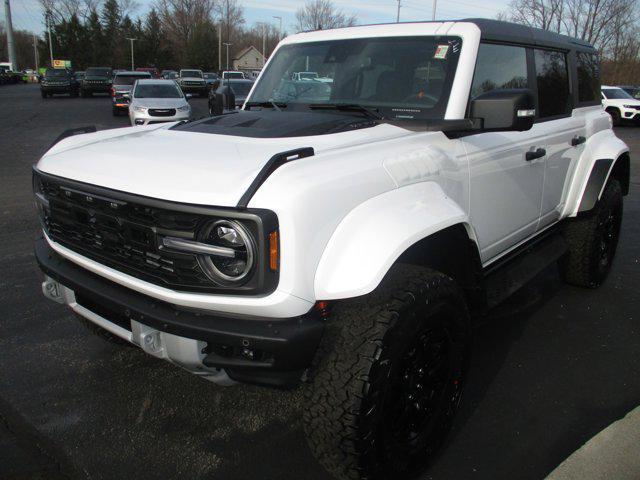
(403, 77)
(233, 75)
(98, 72)
(615, 94)
(241, 88)
(128, 79)
(210, 76)
(56, 73)
(157, 90)
(191, 73)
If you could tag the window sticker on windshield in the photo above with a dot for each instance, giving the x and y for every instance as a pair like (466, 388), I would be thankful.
(441, 52)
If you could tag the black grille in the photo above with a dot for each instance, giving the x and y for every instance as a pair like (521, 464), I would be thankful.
(162, 112)
(123, 235)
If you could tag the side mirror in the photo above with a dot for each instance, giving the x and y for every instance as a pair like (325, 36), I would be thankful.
(505, 109)
(223, 99)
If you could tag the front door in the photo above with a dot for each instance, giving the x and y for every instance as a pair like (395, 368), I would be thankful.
(505, 188)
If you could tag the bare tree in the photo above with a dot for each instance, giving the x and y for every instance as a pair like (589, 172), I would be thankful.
(64, 9)
(182, 21)
(545, 14)
(231, 16)
(322, 14)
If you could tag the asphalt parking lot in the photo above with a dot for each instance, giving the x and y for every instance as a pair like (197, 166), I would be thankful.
(552, 366)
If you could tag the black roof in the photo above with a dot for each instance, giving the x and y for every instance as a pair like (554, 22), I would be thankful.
(499, 31)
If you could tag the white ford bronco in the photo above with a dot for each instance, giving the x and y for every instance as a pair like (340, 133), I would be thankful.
(342, 235)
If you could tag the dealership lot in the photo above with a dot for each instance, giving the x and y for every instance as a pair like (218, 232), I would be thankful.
(552, 366)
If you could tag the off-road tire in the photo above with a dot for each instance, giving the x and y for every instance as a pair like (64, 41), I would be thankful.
(616, 118)
(101, 332)
(592, 239)
(365, 357)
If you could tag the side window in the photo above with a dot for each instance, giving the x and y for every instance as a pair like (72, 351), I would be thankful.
(499, 66)
(588, 76)
(552, 79)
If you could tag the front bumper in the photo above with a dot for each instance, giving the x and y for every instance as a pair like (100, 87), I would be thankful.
(96, 87)
(222, 348)
(630, 114)
(200, 89)
(61, 89)
(140, 118)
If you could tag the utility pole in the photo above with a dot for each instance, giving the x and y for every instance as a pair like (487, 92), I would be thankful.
(132, 40)
(227, 45)
(220, 47)
(11, 46)
(279, 29)
(398, 15)
(435, 4)
(48, 17)
(35, 52)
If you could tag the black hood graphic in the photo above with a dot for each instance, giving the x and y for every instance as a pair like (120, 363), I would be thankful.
(277, 124)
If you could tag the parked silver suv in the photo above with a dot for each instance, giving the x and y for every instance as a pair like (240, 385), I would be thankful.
(157, 101)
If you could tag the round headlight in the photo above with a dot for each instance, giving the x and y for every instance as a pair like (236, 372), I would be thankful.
(229, 234)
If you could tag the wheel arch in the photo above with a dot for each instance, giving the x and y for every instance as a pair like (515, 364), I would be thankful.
(376, 235)
(606, 156)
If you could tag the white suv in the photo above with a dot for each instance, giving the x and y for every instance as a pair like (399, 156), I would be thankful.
(620, 105)
(343, 237)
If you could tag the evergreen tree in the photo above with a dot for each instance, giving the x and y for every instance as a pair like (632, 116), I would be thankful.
(112, 34)
(96, 45)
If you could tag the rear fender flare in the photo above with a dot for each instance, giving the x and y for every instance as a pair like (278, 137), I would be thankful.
(603, 152)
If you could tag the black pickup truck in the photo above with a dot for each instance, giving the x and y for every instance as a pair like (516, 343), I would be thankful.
(59, 81)
(96, 80)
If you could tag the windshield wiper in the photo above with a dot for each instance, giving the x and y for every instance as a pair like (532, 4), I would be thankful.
(268, 104)
(348, 107)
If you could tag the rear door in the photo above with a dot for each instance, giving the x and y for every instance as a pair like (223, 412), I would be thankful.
(505, 188)
(562, 126)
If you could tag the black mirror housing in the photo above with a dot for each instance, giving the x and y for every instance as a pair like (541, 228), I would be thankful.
(505, 109)
(223, 100)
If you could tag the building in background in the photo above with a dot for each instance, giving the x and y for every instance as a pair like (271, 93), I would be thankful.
(248, 60)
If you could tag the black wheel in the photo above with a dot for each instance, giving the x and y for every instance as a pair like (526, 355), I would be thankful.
(74, 94)
(115, 111)
(593, 240)
(615, 116)
(388, 377)
(44, 95)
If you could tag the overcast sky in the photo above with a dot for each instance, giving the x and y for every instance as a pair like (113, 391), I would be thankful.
(27, 14)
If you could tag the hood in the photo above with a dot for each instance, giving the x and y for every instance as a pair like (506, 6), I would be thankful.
(192, 79)
(160, 102)
(96, 77)
(622, 101)
(197, 163)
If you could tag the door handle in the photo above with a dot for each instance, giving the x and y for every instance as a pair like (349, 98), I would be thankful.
(577, 140)
(533, 154)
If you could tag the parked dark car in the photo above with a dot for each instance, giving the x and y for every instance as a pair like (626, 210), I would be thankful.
(59, 81)
(239, 87)
(96, 80)
(212, 79)
(632, 90)
(169, 74)
(121, 89)
(80, 76)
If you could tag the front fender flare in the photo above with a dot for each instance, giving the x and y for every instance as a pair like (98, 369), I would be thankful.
(371, 237)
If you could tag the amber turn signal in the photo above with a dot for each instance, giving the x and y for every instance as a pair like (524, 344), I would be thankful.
(274, 254)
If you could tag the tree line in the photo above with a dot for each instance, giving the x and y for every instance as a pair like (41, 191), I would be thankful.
(610, 25)
(177, 33)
